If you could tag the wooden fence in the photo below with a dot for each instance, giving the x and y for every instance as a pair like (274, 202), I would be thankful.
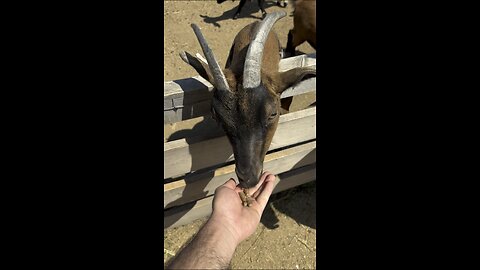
(198, 157)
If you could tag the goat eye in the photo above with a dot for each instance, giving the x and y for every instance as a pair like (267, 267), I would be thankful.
(272, 116)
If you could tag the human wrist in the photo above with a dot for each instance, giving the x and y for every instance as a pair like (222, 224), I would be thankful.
(224, 228)
(212, 247)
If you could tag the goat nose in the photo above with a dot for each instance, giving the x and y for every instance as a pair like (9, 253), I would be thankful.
(240, 173)
(253, 172)
(248, 179)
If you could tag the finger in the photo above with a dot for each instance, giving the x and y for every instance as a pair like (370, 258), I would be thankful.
(265, 177)
(267, 190)
(231, 184)
(255, 195)
(259, 184)
(238, 189)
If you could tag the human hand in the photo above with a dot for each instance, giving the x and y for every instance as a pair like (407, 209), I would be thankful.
(228, 209)
(230, 223)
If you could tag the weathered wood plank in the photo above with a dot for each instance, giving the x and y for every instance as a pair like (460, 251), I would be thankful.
(197, 186)
(309, 85)
(190, 97)
(185, 112)
(178, 88)
(190, 90)
(305, 60)
(187, 213)
(204, 127)
(183, 156)
(175, 111)
(207, 128)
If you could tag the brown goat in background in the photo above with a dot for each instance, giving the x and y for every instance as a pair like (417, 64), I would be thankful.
(304, 25)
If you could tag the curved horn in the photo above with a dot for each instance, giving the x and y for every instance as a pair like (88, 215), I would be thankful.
(253, 60)
(216, 71)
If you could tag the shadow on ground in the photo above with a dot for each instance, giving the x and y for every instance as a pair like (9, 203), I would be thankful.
(301, 208)
(248, 10)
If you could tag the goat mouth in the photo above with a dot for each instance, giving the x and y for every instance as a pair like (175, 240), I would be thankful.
(247, 184)
(246, 181)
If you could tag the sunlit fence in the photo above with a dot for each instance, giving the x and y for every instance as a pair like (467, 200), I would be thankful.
(198, 157)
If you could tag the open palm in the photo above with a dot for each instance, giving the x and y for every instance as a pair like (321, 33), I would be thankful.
(228, 208)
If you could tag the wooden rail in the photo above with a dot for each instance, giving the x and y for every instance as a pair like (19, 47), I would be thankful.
(198, 157)
(205, 183)
(189, 98)
(186, 213)
(184, 155)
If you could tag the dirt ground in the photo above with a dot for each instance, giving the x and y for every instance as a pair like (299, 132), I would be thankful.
(215, 21)
(286, 238)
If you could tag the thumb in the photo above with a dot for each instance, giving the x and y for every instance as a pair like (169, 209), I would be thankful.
(231, 184)
(267, 189)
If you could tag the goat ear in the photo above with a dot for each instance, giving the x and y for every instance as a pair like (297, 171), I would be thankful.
(200, 66)
(294, 76)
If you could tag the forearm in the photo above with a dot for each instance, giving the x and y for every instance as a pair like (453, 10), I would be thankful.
(212, 247)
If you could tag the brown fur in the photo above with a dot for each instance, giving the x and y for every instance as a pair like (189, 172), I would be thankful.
(271, 56)
(304, 25)
(250, 118)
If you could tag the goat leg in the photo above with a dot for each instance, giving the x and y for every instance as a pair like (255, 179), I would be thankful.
(240, 6)
(281, 3)
(260, 5)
